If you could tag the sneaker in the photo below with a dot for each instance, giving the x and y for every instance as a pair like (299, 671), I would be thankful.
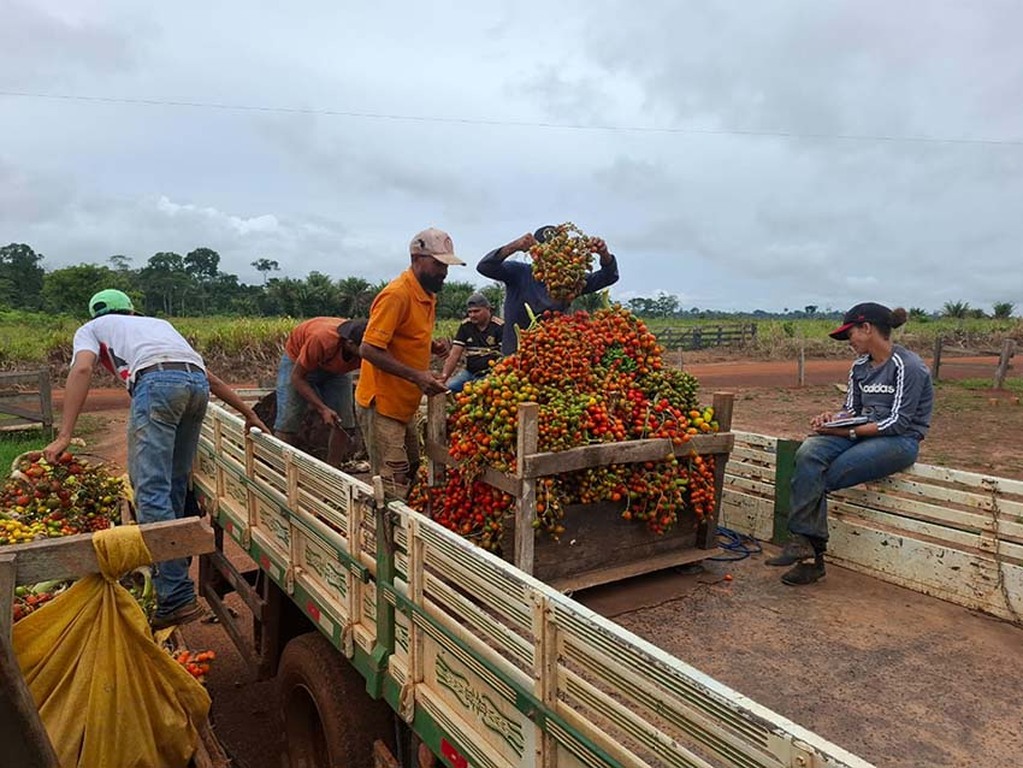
(804, 573)
(797, 548)
(186, 613)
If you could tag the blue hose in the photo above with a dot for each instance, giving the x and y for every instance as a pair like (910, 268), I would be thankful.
(737, 546)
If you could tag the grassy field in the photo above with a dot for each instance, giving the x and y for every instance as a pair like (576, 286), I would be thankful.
(259, 340)
(13, 444)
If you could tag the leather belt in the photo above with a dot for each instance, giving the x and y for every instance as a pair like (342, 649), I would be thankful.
(172, 366)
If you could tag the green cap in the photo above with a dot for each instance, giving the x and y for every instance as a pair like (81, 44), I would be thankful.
(110, 300)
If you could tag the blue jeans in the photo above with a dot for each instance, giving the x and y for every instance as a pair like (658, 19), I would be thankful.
(463, 377)
(334, 389)
(167, 409)
(827, 463)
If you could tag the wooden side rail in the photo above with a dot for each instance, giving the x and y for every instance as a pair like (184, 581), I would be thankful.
(72, 557)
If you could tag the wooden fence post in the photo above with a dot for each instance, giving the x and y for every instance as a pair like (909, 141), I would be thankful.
(801, 365)
(46, 402)
(1008, 350)
(936, 362)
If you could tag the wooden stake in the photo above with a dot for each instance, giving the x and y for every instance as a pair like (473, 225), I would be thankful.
(1008, 350)
(24, 736)
(936, 359)
(528, 440)
(7, 571)
(723, 403)
(436, 435)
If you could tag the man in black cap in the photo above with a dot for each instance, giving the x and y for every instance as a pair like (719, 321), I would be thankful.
(479, 339)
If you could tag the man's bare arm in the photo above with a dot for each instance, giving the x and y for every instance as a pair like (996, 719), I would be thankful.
(385, 361)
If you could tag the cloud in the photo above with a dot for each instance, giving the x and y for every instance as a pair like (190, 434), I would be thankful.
(841, 67)
(27, 198)
(266, 224)
(781, 178)
(42, 46)
(71, 226)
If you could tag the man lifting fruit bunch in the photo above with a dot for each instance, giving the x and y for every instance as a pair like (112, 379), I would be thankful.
(559, 273)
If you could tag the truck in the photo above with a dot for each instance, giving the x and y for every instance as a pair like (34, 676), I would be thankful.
(395, 641)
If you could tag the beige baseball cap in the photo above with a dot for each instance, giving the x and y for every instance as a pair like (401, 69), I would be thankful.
(437, 243)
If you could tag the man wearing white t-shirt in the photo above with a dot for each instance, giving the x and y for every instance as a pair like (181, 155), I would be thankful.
(169, 387)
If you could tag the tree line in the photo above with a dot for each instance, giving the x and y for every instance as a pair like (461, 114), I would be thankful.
(172, 285)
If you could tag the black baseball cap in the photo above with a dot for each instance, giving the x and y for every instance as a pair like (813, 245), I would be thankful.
(352, 330)
(868, 312)
(545, 233)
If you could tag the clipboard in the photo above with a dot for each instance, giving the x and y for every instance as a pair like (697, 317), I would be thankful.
(852, 421)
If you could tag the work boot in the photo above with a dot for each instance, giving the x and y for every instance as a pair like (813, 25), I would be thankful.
(804, 573)
(186, 613)
(797, 548)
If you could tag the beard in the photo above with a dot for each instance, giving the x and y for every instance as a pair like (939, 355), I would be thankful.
(432, 283)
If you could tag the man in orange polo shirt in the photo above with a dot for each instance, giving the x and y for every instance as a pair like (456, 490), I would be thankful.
(315, 370)
(396, 350)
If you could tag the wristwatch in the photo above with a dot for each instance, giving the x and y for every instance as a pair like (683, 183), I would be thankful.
(852, 433)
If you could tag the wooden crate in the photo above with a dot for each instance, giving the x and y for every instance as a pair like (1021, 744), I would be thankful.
(598, 546)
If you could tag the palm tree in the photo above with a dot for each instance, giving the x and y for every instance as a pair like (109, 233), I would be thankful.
(355, 295)
(1002, 310)
(959, 310)
(320, 296)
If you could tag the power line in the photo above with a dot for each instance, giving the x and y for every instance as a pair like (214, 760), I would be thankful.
(516, 123)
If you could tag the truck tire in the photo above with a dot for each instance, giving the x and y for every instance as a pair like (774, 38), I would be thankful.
(329, 719)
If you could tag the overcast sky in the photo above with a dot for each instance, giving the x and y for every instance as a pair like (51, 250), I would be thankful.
(739, 155)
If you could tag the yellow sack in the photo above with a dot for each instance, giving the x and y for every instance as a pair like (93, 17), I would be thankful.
(107, 694)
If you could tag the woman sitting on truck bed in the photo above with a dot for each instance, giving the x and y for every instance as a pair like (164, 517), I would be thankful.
(887, 413)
